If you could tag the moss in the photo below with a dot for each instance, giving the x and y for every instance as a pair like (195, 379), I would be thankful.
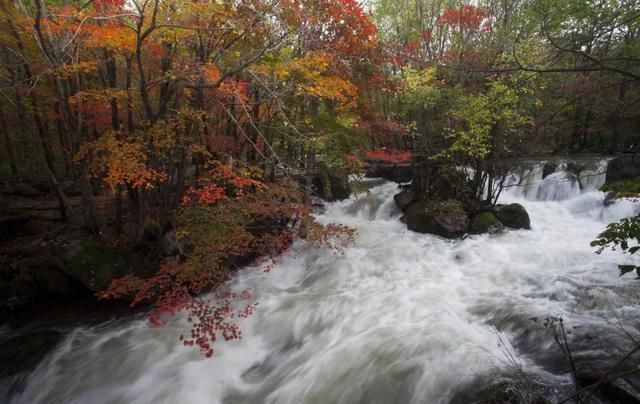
(95, 266)
(623, 189)
(483, 223)
(514, 216)
(444, 218)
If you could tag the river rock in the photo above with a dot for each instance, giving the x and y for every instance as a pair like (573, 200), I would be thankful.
(485, 222)
(24, 352)
(623, 168)
(514, 216)
(610, 198)
(618, 390)
(53, 281)
(405, 198)
(95, 266)
(391, 172)
(548, 169)
(443, 218)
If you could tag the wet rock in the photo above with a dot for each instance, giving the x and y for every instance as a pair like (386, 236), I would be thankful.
(485, 222)
(404, 199)
(11, 226)
(623, 168)
(395, 173)
(24, 352)
(548, 169)
(610, 198)
(95, 266)
(443, 218)
(514, 216)
(22, 290)
(618, 390)
(53, 281)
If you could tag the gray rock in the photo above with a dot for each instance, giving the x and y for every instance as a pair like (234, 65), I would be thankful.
(443, 218)
(623, 168)
(404, 199)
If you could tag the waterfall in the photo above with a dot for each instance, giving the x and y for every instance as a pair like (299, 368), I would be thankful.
(398, 317)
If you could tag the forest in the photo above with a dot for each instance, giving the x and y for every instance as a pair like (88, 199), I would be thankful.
(151, 149)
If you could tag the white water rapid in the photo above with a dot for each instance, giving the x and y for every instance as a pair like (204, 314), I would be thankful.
(400, 317)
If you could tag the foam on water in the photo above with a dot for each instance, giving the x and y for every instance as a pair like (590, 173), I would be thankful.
(399, 317)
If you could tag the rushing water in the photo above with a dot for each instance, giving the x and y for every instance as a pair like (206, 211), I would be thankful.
(400, 317)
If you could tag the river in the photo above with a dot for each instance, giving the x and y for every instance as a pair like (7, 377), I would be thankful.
(398, 317)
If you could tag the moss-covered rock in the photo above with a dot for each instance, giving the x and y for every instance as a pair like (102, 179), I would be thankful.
(443, 218)
(95, 266)
(404, 199)
(623, 189)
(514, 216)
(485, 222)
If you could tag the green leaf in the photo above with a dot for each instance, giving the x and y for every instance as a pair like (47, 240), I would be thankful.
(633, 250)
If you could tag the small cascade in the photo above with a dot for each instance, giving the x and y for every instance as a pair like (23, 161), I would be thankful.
(558, 186)
(567, 180)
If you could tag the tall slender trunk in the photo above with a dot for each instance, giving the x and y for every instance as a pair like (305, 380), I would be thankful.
(8, 144)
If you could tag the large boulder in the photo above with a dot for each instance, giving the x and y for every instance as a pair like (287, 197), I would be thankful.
(95, 266)
(626, 167)
(405, 198)
(443, 218)
(618, 390)
(53, 281)
(24, 352)
(514, 216)
(485, 222)
(391, 172)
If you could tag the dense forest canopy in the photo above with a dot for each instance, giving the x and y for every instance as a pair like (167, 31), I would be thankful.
(217, 121)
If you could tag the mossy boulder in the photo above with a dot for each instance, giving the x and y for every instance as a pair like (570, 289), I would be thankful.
(443, 218)
(514, 216)
(404, 199)
(485, 222)
(94, 265)
(623, 189)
